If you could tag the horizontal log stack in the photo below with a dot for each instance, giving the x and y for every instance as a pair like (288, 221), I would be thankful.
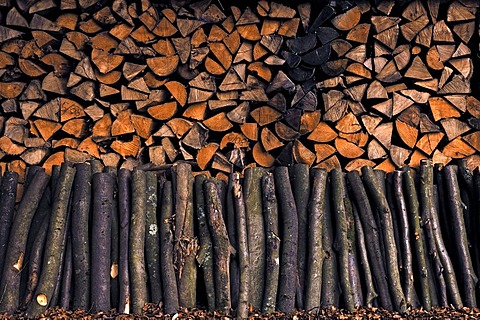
(331, 85)
(394, 241)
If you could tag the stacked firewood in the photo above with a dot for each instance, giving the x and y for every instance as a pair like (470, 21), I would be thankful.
(284, 239)
(232, 85)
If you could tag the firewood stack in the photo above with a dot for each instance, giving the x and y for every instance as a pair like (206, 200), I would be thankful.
(225, 86)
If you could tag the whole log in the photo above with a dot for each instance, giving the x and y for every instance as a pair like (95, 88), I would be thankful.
(288, 262)
(102, 201)
(14, 257)
(8, 194)
(124, 209)
(51, 259)
(138, 275)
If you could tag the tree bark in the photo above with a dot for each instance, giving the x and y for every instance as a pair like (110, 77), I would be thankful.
(288, 262)
(15, 254)
(468, 276)
(221, 247)
(8, 194)
(256, 234)
(270, 211)
(373, 239)
(124, 209)
(56, 231)
(185, 245)
(169, 281)
(243, 251)
(138, 276)
(102, 187)
(205, 254)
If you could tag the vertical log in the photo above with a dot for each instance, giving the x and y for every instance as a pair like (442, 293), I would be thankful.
(221, 246)
(372, 236)
(205, 254)
(185, 245)
(341, 242)
(36, 255)
(370, 294)
(404, 234)
(395, 220)
(330, 281)
(288, 262)
(420, 254)
(56, 231)
(138, 276)
(169, 282)
(115, 245)
(102, 187)
(256, 234)
(427, 207)
(300, 179)
(80, 238)
(468, 276)
(243, 251)
(124, 202)
(448, 270)
(8, 194)
(270, 211)
(66, 290)
(15, 254)
(316, 208)
(232, 236)
(390, 247)
(445, 220)
(152, 240)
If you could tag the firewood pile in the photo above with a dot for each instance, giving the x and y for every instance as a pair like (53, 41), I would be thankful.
(281, 240)
(231, 85)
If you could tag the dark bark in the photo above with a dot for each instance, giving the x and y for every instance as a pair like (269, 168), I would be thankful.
(138, 276)
(80, 238)
(152, 240)
(420, 250)
(232, 236)
(330, 278)
(404, 234)
(185, 245)
(468, 276)
(102, 190)
(66, 290)
(205, 254)
(221, 246)
(53, 245)
(316, 209)
(243, 252)
(341, 243)
(427, 207)
(15, 254)
(169, 282)
(288, 262)
(395, 221)
(300, 180)
(256, 234)
(8, 194)
(270, 211)
(124, 209)
(383, 209)
(115, 244)
(373, 238)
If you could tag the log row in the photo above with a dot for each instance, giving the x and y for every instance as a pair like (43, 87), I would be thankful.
(279, 239)
(331, 85)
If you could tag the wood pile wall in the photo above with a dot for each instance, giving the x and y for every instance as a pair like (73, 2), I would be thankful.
(231, 85)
